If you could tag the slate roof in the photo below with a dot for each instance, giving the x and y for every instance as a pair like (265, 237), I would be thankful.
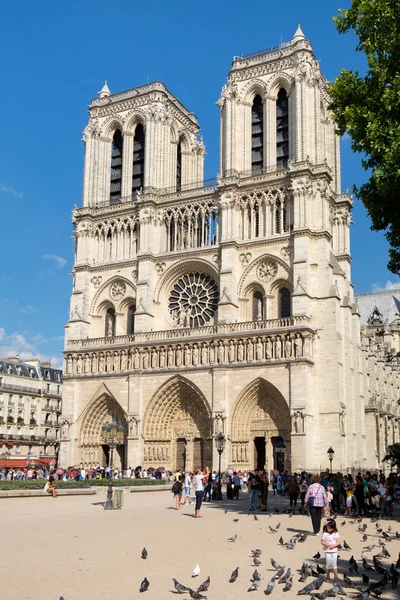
(20, 369)
(386, 301)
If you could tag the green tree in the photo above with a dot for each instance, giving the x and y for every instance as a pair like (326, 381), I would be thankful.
(368, 108)
(393, 455)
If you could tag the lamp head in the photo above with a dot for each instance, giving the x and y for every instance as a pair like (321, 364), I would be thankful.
(331, 453)
(220, 442)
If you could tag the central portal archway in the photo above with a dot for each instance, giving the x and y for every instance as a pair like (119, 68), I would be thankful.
(103, 408)
(260, 428)
(177, 428)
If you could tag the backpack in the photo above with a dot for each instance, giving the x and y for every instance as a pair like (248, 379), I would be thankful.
(176, 488)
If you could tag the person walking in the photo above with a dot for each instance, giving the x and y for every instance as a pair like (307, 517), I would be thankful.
(187, 484)
(236, 486)
(199, 490)
(303, 492)
(293, 490)
(264, 491)
(254, 485)
(177, 490)
(316, 499)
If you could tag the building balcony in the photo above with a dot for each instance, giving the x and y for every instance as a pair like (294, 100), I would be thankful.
(19, 388)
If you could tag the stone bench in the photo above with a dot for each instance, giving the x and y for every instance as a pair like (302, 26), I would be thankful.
(38, 493)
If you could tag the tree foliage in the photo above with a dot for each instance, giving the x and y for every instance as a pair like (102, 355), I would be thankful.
(393, 455)
(368, 108)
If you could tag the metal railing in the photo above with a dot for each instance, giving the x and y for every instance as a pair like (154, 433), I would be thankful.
(19, 388)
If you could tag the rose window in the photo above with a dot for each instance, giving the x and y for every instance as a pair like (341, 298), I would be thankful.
(117, 290)
(267, 270)
(193, 300)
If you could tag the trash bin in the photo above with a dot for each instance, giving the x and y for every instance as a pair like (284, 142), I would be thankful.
(118, 500)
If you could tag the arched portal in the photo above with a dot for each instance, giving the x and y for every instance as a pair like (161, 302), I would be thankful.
(260, 428)
(104, 408)
(177, 427)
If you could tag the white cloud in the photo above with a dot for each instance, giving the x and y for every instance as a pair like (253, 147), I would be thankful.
(389, 285)
(17, 343)
(59, 259)
(28, 309)
(8, 189)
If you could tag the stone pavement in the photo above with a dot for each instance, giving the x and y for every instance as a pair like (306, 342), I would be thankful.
(70, 546)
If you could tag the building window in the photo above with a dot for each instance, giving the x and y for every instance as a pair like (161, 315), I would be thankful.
(138, 159)
(257, 135)
(258, 302)
(179, 168)
(116, 168)
(284, 303)
(131, 319)
(282, 130)
(110, 323)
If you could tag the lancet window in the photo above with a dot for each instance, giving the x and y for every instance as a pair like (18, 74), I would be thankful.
(131, 320)
(116, 168)
(282, 130)
(257, 135)
(284, 300)
(138, 158)
(194, 226)
(258, 306)
(179, 168)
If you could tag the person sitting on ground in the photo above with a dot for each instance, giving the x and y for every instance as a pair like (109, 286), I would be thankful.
(50, 488)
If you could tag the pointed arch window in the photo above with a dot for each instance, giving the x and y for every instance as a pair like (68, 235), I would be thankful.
(179, 167)
(116, 168)
(284, 303)
(282, 130)
(257, 135)
(138, 158)
(131, 319)
(110, 323)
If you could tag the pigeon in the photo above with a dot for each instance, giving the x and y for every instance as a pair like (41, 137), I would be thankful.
(288, 585)
(279, 524)
(144, 553)
(365, 579)
(196, 595)
(368, 548)
(235, 520)
(345, 545)
(364, 594)
(290, 545)
(255, 517)
(203, 587)
(348, 582)
(256, 552)
(270, 587)
(389, 528)
(256, 561)
(181, 589)
(144, 585)
(286, 576)
(232, 539)
(367, 566)
(320, 570)
(308, 588)
(386, 535)
(364, 537)
(234, 575)
(275, 564)
(317, 556)
(272, 530)
(281, 541)
(196, 571)
(343, 523)
(256, 576)
(254, 586)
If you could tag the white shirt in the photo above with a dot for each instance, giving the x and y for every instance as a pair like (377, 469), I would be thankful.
(198, 483)
(187, 481)
(331, 539)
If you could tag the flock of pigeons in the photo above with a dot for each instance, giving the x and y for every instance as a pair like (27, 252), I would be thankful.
(388, 577)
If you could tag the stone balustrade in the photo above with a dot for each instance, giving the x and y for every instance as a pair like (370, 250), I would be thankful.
(186, 332)
(243, 349)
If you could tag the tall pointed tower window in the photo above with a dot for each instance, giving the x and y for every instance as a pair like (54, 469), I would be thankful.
(116, 168)
(179, 167)
(138, 158)
(282, 130)
(257, 135)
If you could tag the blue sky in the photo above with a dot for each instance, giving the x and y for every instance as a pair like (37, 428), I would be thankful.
(55, 57)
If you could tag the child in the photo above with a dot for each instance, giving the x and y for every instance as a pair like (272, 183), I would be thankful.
(349, 499)
(330, 541)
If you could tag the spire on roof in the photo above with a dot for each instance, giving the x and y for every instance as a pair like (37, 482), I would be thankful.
(299, 35)
(105, 91)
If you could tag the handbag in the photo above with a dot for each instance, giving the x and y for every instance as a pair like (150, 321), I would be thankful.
(311, 501)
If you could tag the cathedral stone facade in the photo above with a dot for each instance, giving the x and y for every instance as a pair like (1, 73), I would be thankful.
(227, 306)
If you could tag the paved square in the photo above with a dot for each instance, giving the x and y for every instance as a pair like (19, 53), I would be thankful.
(70, 546)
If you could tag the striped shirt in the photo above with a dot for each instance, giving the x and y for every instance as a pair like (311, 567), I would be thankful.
(317, 491)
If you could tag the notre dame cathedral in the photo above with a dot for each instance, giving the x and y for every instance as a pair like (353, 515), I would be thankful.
(221, 307)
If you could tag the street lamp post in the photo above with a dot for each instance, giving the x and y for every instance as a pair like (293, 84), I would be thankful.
(331, 454)
(113, 435)
(220, 445)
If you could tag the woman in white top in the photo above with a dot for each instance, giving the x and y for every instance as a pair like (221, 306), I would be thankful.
(198, 486)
